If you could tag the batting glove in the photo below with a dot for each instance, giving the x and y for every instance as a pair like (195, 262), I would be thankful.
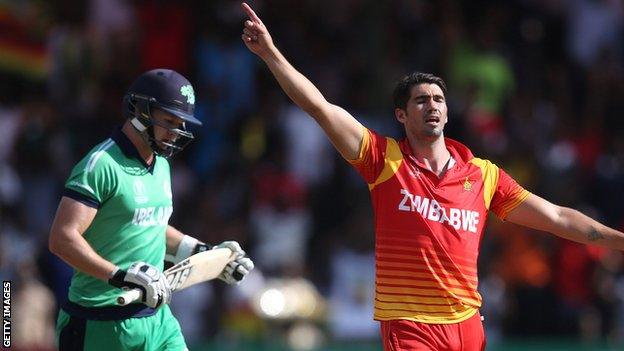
(147, 278)
(236, 270)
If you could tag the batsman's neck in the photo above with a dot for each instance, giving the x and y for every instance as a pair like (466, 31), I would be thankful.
(139, 143)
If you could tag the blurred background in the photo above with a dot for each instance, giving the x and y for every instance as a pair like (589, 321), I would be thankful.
(537, 86)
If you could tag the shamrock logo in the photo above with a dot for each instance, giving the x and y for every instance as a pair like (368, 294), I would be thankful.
(188, 92)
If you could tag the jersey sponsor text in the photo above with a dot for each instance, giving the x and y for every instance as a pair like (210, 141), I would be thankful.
(152, 216)
(429, 209)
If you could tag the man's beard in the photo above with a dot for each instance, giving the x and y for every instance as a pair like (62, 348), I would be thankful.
(432, 133)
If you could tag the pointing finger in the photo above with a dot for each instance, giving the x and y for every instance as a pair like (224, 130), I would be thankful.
(250, 12)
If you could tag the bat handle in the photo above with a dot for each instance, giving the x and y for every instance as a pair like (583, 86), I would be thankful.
(129, 296)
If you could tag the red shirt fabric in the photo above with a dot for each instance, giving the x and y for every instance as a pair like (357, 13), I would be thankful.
(429, 229)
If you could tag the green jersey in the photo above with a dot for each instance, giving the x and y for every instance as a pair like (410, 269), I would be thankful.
(133, 202)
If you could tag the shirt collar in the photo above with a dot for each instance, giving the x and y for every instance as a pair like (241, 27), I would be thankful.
(128, 148)
(459, 152)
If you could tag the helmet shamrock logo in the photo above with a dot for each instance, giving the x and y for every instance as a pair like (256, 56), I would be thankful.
(187, 91)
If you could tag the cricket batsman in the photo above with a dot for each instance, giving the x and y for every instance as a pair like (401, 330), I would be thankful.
(112, 226)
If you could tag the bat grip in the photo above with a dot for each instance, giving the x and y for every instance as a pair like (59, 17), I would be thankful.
(129, 296)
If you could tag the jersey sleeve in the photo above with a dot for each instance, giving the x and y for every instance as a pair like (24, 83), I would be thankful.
(91, 181)
(370, 161)
(507, 196)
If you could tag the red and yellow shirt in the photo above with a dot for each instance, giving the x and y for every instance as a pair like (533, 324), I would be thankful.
(428, 229)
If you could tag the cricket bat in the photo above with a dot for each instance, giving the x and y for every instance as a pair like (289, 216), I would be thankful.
(195, 269)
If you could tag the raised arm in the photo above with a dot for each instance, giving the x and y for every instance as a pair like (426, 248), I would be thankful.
(344, 131)
(565, 222)
(66, 240)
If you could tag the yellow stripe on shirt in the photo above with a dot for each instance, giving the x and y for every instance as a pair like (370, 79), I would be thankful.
(393, 161)
(489, 175)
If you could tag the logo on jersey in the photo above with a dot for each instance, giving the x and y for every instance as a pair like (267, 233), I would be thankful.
(167, 189)
(140, 193)
(415, 173)
(152, 216)
(429, 209)
(187, 91)
(467, 185)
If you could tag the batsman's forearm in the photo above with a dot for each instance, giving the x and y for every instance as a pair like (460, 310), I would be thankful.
(578, 227)
(174, 237)
(76, 251)
(298, 88)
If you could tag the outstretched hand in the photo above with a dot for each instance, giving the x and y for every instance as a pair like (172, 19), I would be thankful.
(255, 34)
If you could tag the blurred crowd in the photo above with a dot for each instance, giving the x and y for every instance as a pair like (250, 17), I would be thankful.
(536, 86)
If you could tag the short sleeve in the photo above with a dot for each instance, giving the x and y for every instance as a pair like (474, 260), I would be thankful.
(371, 159)
(92, 181)
(508, 195)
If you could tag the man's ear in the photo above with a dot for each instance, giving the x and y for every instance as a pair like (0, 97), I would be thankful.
(400, 115)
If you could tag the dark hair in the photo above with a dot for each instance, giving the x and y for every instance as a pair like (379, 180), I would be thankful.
(403, 88)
